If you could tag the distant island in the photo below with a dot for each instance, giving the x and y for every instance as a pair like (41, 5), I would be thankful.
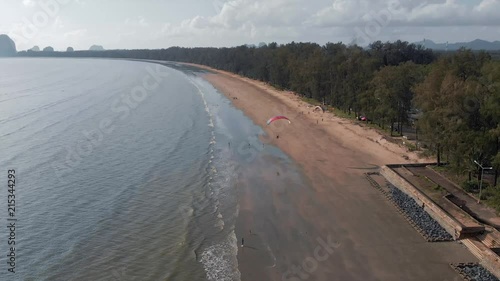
(476, 45)
(96, 48)
(7, 46)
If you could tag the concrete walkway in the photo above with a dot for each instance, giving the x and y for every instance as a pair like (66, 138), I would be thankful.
(479, 211)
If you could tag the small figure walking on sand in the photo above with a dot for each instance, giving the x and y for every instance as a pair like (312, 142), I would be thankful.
(242, 242)
(278, 136)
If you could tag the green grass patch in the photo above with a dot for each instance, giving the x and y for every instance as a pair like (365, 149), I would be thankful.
(493, 198)
(341, 113)
(450, 174)
(311, 101)
(411, 146)
(490, 195)
(437, 187)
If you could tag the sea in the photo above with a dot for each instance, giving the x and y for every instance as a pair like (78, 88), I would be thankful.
(124, 170)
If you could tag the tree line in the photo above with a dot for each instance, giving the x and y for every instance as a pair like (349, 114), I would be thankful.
(457, 94)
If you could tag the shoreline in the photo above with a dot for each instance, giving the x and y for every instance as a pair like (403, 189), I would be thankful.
(338, 204)
(331, 123)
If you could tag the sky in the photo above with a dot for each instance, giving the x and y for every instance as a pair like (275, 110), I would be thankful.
(153, 24)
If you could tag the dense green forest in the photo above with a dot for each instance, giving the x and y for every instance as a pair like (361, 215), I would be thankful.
(457, 94)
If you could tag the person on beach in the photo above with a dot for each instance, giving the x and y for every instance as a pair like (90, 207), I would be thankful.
(242, 242)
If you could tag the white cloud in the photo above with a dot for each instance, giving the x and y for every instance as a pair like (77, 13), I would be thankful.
(29, 3)
(407, 13)
(76, 33)
(58, 23)
(339, 13)
(139, 21)
(242, 21)
(235, 22)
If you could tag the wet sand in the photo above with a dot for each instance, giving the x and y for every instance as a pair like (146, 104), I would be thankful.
(336, 226)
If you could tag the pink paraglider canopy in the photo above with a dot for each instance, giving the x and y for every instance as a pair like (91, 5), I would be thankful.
(277, 118)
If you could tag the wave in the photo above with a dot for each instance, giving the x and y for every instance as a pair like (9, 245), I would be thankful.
(219, 259)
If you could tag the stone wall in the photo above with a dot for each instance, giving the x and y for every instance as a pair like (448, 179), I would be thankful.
(444, 219)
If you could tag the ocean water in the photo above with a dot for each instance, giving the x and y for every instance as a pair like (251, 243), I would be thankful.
(125, 170)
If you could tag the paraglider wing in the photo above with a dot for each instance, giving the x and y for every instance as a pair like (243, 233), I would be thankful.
(277, 118)
(320, 108)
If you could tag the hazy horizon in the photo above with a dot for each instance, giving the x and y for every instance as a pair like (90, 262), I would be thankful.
(220, 23)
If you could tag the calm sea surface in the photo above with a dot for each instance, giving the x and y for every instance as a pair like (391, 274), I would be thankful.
(123, 171)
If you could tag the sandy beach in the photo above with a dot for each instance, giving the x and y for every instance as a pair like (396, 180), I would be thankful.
(337, 227)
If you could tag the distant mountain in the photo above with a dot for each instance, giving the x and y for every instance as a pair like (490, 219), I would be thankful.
(260, 45)
(35, 49)
(7, 46)
(96, 48)
(48, 49)
(477, 44)
(70, 49)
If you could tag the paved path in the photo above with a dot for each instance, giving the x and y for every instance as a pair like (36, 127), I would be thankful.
(479, 211)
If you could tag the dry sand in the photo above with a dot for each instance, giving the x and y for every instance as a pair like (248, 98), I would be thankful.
(374, 241)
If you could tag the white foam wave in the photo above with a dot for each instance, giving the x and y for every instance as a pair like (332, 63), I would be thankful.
(207, 109)
(220, 262)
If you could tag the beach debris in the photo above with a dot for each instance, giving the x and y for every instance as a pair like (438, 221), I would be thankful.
(279, 117)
